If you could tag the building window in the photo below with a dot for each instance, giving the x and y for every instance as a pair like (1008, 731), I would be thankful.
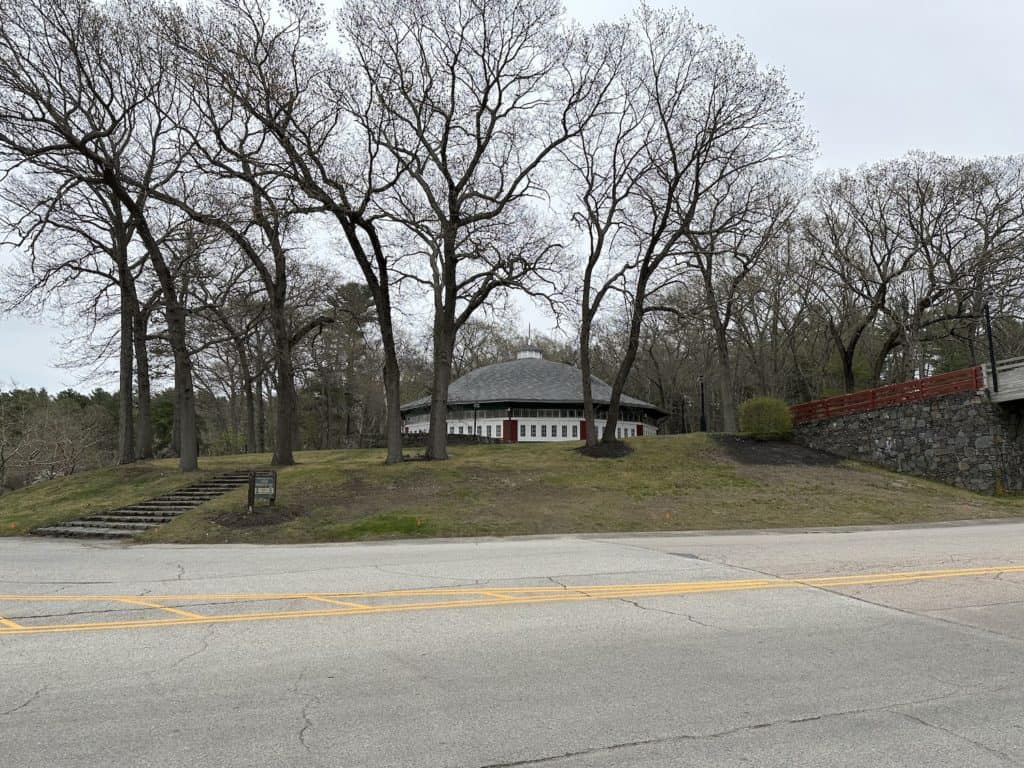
(460, 430)
(522, 430)
(488, 430)
(543, 430)
(533, 430)
(479, 430)
(451, 429)
(575, 430)
(565, 430)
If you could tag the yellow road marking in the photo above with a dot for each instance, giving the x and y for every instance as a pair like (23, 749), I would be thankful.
(824, 581)
(169, 609)
(470, 597)
(322, 599)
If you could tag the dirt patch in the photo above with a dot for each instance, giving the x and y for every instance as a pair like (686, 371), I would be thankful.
(775, 453)
(263, 516)
(603, 450)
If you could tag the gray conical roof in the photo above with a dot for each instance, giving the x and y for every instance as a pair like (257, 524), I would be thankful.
(526, 380)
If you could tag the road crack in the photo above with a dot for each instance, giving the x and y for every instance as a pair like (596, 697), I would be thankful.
(985, 748)
(28, 702)
(204, 647)
(697, 737)
(309, 701)
(307, 725)
(686, 616)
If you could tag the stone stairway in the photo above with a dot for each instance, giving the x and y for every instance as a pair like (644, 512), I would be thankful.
(126, 522)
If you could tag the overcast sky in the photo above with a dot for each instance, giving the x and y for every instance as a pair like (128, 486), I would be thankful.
(878, 79)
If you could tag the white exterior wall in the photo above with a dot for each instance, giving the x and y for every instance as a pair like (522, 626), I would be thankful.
(538, 430)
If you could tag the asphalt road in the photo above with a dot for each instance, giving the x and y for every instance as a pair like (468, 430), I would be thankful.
(763, 649)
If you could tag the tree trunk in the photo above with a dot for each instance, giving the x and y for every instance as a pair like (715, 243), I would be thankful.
(175, 313)
(185, 398)
(632, 346)
(144, 425)
(284, 430)
(392, 384)
(176, 427)
(444, 343)
(618, 385)
(284, 433)
(849, 379)
(125, 411)
(261, 417)
(588, 388)
(250, 397)
(380, 290)
(725, 391)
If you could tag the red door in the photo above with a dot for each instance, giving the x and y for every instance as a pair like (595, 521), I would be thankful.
(639, 430)
(510, 431)
(583, 429)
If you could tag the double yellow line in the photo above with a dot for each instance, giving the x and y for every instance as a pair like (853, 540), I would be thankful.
(353, 603)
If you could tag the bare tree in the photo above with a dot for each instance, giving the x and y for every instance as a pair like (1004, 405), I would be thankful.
(858, 244)
(276, 65)
(607, 161)
(740, 221)
(230, 180)
(79, 84)
(71, 232)
(469, 98)
(712, 122)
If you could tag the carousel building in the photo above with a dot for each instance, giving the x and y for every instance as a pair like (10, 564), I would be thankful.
(530, 399)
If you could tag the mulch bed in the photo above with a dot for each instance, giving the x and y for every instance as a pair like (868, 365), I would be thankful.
(603, 450)
(266, 515)
(777, 453)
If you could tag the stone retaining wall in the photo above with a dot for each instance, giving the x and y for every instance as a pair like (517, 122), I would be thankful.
(964, 440)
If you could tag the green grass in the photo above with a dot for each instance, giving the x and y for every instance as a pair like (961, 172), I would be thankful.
(683, 482)
(100, 490)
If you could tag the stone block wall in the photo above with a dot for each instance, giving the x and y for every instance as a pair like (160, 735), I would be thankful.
(964, 440)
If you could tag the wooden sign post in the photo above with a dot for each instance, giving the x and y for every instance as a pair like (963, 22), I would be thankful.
(262, 486)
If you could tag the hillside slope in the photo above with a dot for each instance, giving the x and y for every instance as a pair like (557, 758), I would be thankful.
(681, 482)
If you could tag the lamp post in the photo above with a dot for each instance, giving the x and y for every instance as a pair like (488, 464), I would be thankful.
(703, 410)
(991, 348)
(476, 407)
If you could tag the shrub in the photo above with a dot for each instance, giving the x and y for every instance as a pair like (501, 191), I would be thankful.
(766, 418)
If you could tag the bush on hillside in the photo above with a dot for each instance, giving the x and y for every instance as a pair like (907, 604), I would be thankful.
(766, 418)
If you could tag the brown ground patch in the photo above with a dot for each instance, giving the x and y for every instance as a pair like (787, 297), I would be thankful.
(602, 450)
(773, 453)
(262, 516)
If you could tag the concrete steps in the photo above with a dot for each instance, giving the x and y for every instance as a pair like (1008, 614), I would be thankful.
(127, 522)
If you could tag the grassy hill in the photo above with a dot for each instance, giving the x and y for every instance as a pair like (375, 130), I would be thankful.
(681, 482)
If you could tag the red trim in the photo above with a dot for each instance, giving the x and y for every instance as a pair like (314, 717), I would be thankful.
(583, 429)
(510, 431)
(954, 382)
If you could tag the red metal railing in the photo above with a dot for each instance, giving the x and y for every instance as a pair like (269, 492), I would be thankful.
(964, 380)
